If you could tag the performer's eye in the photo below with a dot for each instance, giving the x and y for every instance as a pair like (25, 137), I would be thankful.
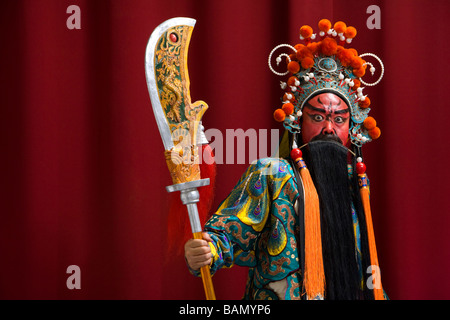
(318, 117)
(339, 120)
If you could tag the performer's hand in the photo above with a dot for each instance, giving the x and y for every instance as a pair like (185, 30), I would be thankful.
(198, 252)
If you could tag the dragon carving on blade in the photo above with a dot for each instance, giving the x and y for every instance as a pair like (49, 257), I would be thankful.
(169, 75)
(183, 117)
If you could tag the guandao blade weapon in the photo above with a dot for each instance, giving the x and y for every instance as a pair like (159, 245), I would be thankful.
(178, 120)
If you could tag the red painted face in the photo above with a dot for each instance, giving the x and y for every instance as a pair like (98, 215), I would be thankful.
(326, 114)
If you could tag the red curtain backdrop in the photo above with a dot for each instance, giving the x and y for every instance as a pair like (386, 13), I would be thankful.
(83, 174)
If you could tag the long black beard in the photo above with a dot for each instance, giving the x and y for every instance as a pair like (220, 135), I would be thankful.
(327, 162)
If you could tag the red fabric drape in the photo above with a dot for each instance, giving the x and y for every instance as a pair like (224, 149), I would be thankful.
(83, 173)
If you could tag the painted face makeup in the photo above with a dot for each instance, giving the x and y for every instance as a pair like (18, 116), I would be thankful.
(328, 115)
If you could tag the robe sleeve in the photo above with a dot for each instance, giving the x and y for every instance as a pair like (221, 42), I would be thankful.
(241, 217)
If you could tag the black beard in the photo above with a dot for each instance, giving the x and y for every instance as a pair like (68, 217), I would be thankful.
(326, 137)
(327, 162)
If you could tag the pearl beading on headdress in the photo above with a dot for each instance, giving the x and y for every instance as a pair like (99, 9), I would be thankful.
(372, 69)
(278, 59)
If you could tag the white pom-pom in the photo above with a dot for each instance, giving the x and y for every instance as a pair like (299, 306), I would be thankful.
(351, 83)
(299, 113)
(342, 38)
(313, 36)
(293, 89)
(348, 40)
(330, 31)
(363, 98)
(347, 80)
(372, 70)
(292, 118)
(363, 139)
(278, 60)
(306, 78)
(359, 136)
(311, 75)
(289, 96)
(301, 38)
(321, 33)
(334, 33)
(297, 83)
(359, 90)
(359, 159)
(283, 85)
(341, 76)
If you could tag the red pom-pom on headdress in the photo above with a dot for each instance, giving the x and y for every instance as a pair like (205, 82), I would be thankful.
(324, 25)
(356, 62)
(356, 84)
(307, 63)
(279, 115)
(293, 67)
(375, 133)
(313, 47)
(370, 123)
(364, 103)
(288, 108)
(350, 32)
(328, 46)
(306, 32)
(345, 56)
(359, 72)
(303, 53)
(340, 27)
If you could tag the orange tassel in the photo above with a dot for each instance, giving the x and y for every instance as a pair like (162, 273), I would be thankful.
(364, 191)
(314, 276)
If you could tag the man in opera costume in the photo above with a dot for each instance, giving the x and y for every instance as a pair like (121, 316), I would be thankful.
(301, 222)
